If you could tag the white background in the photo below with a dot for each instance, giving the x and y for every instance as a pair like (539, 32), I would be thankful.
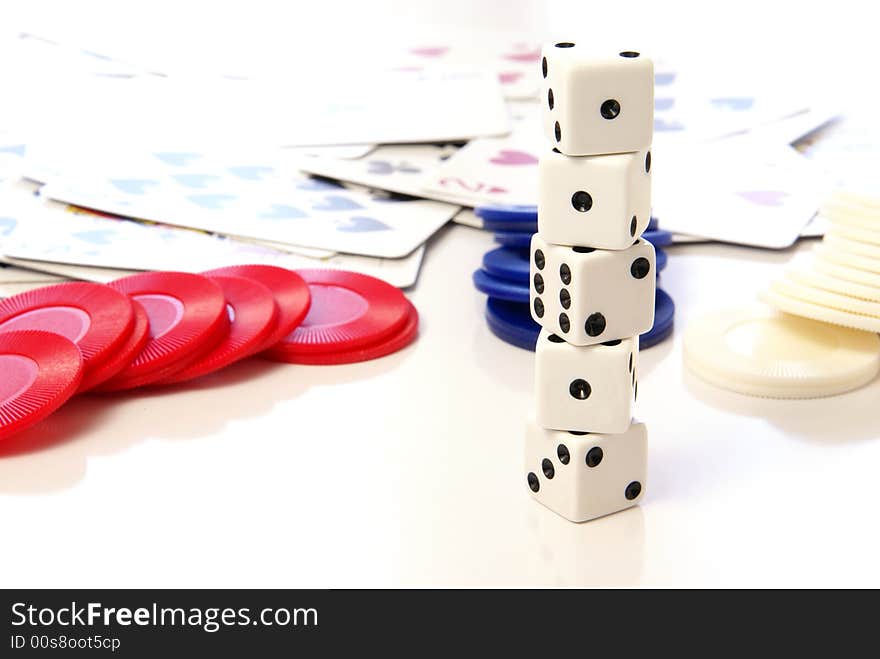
(407, 470)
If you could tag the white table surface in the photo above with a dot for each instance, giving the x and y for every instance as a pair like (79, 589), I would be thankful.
(408, 470)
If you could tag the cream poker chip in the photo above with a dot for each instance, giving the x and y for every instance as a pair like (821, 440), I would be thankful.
(850, 260)
(807, 309)
(761, 352)
(838, 271)
(834, 284)
(862, 201)
(857, 233)
(825, 298)
(847, 213)
(841, 243)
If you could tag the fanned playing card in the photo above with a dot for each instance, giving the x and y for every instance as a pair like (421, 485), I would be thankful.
(73, 242)
(251, 198)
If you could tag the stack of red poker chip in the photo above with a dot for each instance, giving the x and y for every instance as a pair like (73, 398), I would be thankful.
(353, 318)
(161, 328)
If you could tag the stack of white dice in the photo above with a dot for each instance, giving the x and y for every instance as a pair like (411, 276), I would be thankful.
(593, 281)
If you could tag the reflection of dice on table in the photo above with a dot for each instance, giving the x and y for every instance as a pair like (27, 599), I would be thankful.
(592, 282)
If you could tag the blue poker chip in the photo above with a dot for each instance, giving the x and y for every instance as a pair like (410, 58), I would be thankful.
(658, 237)
(514, 239)
(497, 225)
(501, 288)
(512, 322)
(508, 214)
(662, 258)
(508, 264)
(653, 224)
(664, 315)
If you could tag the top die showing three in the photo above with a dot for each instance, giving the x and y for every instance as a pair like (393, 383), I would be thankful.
(596, 105)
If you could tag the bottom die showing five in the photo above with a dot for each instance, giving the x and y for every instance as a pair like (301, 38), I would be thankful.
(582, 476)
(585, 388)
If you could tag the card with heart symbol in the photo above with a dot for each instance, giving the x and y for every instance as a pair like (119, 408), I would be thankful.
(251, 198)
(491, 171)
(512, 58)
(740, 190)
(81, 244)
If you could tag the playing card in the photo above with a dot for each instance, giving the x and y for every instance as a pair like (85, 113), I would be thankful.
(404, 168)
(72, 242)
(253, 199)
(513, 59)
(846, 149)
(752, 194)
(491, 171)
(10, 274)
(466, 217)
(395, 168)
(401, 273)
(390, 107)
(12, 151)
(65, 271)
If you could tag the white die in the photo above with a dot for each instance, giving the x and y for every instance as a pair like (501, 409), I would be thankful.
(585, 476)
(588, 296)
(596, 105)
(585, 388)
(600, 201)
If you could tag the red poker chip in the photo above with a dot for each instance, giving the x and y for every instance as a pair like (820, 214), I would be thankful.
(41, 371)
(290, 290)
(253, 315)
(188, 319)
(95, 317)
(386, 346)
(348, 311)
(125, 354)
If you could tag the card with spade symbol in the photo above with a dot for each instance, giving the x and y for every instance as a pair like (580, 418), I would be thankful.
(252, 198)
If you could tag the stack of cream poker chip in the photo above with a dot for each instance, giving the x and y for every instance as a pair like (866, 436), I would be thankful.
(592, 281)
(820, 338)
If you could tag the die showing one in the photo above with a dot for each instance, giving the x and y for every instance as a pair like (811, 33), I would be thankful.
(596, 104)
(582, 476)
(600, 201)
(585, 388)
(587, 295)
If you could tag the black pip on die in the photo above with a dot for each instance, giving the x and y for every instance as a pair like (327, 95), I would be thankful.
(593, 282)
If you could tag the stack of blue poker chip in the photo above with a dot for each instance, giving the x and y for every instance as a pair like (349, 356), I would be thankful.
(504, 277)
